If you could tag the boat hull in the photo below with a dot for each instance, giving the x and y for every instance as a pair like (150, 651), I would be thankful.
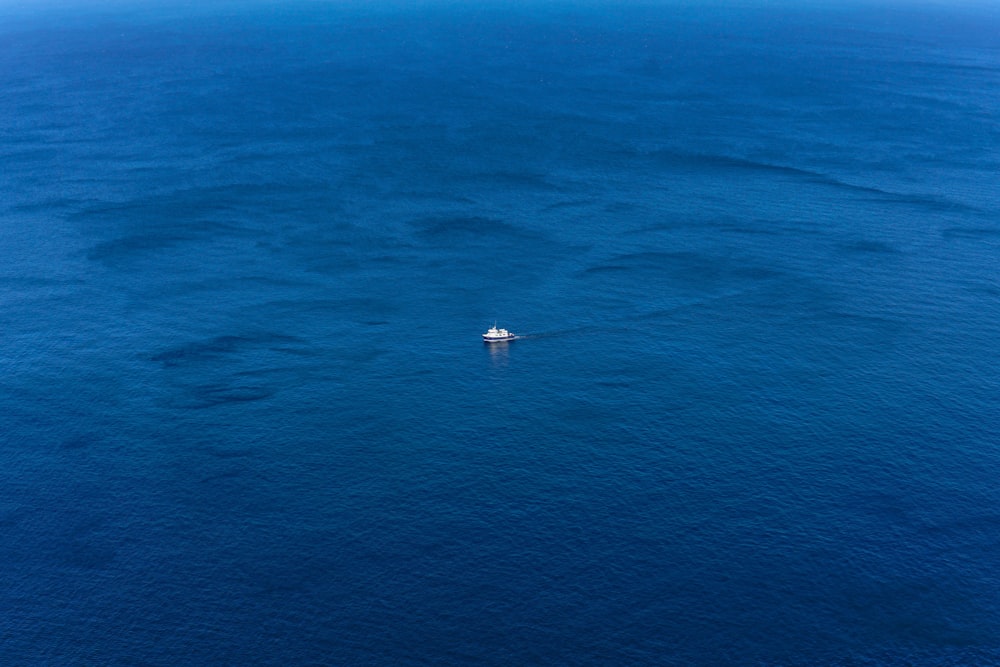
(498, 339)
(502, 339)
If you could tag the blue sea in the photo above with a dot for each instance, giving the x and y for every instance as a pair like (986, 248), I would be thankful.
(751, 252)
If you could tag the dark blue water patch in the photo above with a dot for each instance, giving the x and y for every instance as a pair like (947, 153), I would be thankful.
(33, 283)
(214, 348)
(950, 65)
(929, 203)
(85, 554)
(48, 206)
(869, 247)
(473, 229)
(230, 453)
(977, 530)
(211, 395)
(354, 309)
(722, 163)
(113, 252)
(230, 370)
(973, 233)
(182, 206)
(417, 195)
(685, 270)
(135, 237)
(515, 179)
(571, 205)
(79, 442)
(987, 289)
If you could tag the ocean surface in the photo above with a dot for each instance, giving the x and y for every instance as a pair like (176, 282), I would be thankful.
(751, 250)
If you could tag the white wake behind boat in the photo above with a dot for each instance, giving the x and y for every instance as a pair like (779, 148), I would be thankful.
(495, 335)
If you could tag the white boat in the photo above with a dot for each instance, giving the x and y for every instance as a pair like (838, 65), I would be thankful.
(494, 335)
